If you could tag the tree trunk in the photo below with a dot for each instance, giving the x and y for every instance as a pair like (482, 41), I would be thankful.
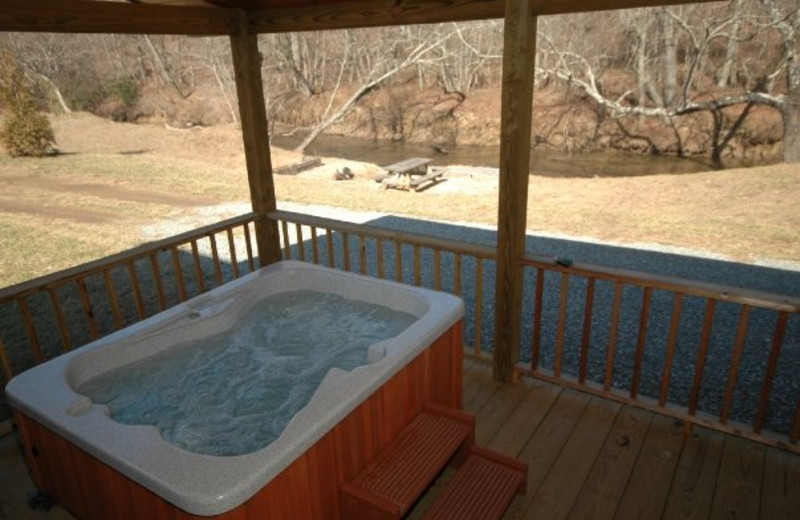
(670, 57)
(791, 113)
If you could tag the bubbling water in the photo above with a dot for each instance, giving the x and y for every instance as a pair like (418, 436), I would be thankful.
(234, 392)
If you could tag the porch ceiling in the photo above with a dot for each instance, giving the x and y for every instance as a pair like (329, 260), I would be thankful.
(221, 17)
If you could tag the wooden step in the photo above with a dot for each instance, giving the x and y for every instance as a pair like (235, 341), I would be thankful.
(393, 482)
(482, 489)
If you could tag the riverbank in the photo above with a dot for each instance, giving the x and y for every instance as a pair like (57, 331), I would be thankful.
(114, 180)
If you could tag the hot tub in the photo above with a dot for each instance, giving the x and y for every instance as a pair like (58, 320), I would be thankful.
(99, 468)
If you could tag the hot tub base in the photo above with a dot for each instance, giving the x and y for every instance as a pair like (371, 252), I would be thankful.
(308, 488)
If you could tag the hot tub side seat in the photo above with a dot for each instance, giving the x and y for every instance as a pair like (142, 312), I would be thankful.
(389, 487)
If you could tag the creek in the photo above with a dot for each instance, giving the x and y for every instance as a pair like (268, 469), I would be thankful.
(547, 163)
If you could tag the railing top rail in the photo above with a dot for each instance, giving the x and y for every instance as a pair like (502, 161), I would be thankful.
(479, 250)
(58, 278)
(778, 302)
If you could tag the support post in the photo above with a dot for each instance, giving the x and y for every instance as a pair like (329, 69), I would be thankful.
(255, 134)
(519, 54)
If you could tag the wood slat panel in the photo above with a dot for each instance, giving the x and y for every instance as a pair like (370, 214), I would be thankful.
(562, 324)
(162, 302)
(138, 300)
(61, 319)
(736, 357)
(702, 355)
(212, 238)
(113, 299)
(769, 375)
(232, 252)
(177, 270)
(537, 320)
(672, 340)
(640, 342)
(198, 267)
(611, 350)
(587, 330)
(88, 310)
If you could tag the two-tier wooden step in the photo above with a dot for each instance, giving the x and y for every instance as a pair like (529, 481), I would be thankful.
(392, 483)
(482, 489)
(387, 489)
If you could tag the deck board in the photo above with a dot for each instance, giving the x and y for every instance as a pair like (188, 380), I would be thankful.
(695, 479)
(738, 490)
(602, 491)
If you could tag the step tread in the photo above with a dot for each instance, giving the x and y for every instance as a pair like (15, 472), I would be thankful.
(482, 488)
(402, 472)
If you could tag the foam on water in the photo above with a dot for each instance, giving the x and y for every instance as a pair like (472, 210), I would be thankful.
(235, 392)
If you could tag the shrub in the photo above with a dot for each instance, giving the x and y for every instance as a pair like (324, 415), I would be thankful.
(25, 130)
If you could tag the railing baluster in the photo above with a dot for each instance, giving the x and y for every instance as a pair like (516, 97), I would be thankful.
(672, 340)
(457, 273)
(138, 301)
(162, 302)
(769, 375)
(612, 337)
(287, 243)
(640, 342)
(315, 244)
(417, 266)
(437, 270)
(536, 343)
(177, 268)
(331, 252)
(232, 251)
(30, 329)
(61, 319)
(398, 261)
(794, 434)
(301, 246)
(362, 254)
(702, 355)
(346, 250)
(248, 244)
(113, 300)
(88, 311)
(478, 305)
(198, 267)
(381, 263)
(562, 324)
(587, 330)
(736, 357)
(215, 257)
(6, 364)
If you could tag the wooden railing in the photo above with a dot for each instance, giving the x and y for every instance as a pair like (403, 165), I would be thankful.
(718, 356)
(44, 317)
(702, 353)
(466, 270)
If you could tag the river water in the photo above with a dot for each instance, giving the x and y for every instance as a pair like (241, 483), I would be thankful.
(547, 163)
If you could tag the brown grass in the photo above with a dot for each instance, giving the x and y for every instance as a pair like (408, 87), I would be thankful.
(114, 179)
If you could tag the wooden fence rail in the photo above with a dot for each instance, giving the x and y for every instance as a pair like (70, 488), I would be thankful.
(43, 317)
(722, 357)
(703, 353)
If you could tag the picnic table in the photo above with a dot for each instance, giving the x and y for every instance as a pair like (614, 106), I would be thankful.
(411, 174)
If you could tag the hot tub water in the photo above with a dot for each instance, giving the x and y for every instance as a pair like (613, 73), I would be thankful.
(234, 392)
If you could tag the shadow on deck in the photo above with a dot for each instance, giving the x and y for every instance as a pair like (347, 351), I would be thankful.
(589, 458)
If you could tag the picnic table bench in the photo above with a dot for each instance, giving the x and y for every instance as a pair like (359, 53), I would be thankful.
(410, 174)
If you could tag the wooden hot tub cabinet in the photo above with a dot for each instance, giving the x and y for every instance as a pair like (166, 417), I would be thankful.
(307, 488)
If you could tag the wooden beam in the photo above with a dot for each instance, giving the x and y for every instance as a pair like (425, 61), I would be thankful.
(371, 13)
(375, 13)
(255, 133)
(80, 16)
(519, 53)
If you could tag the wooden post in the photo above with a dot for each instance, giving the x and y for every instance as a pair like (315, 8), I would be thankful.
(519, 53)
(255, 133)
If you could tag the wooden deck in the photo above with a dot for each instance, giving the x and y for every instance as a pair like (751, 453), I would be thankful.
(588, 458)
